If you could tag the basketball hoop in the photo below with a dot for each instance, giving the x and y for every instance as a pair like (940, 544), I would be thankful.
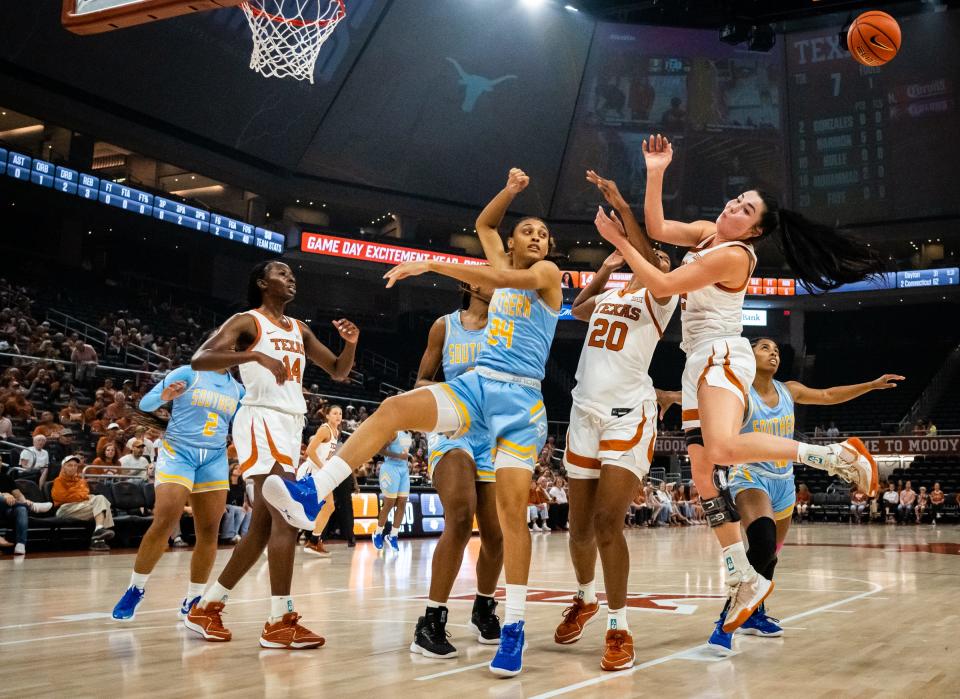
(288, 34)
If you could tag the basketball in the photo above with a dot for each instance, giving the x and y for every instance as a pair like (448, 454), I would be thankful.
(873, 38)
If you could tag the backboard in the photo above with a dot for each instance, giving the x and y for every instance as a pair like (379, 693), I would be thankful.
(95, 16)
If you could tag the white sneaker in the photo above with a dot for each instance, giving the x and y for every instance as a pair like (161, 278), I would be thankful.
(851, 461)
(19, 550)
(40, 507)
(745, 597)
(179, 543)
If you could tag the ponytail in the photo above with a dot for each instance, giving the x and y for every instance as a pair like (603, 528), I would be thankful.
(819, 255)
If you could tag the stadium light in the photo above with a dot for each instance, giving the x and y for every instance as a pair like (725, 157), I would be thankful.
(570, 8)
(533, 3)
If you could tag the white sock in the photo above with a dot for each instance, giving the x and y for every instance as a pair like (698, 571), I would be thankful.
(813, 455)
(516, 603)
(333, 473)
(617, 619)
(97, 527)
(215, 593)
(484, 594)
(280, 605)
(194, 590)
(139, 579)
(587, 591)
(378, 531)
(735, 563)
(433, 605)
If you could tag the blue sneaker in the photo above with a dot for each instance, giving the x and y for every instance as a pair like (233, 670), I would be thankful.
(127, 606)
(378, 541)
(186, 605)
(295, 500)
(508, 661)
(721, 641)
(393, 542)
(759, 624)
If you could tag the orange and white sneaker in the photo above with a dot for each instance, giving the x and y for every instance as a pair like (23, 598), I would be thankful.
(207, 621)
(288, 633)
(852, 462)
(618, 654)
(575, 618)
(316, 549)
(745, 596)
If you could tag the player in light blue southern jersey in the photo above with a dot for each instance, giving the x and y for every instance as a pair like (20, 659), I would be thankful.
(191, 465)
(501, 395)
(764, 492)
(462, 472)
(394, 486)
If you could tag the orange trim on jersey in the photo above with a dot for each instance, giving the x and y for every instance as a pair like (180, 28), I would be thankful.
(301, 326)
(277, 456)
(582, 461)
(254, 456)
(653, 317)
(703, 374)
(689, 415)
(624, 444)
(705, 243)
(731, 377)
(256, 338)
(746, 282)
(653, 441)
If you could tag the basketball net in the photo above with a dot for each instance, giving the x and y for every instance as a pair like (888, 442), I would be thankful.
(288, 34)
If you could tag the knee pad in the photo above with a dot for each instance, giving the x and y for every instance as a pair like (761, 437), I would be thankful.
(762, 541)
(694, 437)
(721, 509)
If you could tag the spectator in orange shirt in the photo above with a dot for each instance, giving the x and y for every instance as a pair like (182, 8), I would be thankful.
(47, 427)
(118, 411)
(803, 502)
(114, 436)
(72, 498)
(72, 414)
(108, 462)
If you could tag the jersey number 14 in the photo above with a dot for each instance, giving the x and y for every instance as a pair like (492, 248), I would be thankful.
(293, 372)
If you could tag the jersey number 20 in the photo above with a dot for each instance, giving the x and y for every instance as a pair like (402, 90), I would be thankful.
(610, 335)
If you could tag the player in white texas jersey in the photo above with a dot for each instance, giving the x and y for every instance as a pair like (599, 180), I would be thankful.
(319, 450)
(271, 351)
(720, 367)
(613, 426)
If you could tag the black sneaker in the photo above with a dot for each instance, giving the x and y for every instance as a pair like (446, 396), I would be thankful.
(484, 620)
(430, 638)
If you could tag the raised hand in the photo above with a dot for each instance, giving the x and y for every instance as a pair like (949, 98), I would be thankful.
(517, 180)
(404, 270)
(614, 261)
(348, 331)
(172, 391)
(610, 228)
(657, 153)
(886, 381)
(609, 190)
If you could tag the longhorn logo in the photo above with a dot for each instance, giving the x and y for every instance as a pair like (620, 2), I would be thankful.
(476, 85)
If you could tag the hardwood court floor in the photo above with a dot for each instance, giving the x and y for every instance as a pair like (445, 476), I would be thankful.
(867, 611)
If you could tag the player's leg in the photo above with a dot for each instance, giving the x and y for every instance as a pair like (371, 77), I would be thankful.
(170, 499)
(388, 488)
(315, 543)
(583, 553)
(483, 618)
(453, 478)
(208, 507)
(399, 510)
(438, 408)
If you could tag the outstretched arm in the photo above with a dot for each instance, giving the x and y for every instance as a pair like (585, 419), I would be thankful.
(488, 222)
(586, 300)
(635, 232)
(171, 386)
(220, 352)
(804, 395)
(543, 276)
(725, 266)
(338, 366)
(657, 154)
(433, 355)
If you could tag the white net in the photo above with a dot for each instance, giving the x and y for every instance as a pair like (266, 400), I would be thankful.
(288, 34)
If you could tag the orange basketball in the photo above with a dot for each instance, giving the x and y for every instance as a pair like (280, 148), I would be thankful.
(873, 38)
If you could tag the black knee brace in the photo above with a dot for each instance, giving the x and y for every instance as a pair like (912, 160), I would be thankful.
(721, 509)
(762, 542)
(694, 437)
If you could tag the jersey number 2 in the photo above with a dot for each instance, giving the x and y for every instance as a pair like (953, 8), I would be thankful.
(210, 426)
(609, 335)
(293, 372)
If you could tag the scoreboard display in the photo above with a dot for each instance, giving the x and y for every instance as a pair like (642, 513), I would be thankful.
(45, 174)
(872, 143)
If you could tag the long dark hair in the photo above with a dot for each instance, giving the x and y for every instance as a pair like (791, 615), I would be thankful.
(819, 255)
(254, 293)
